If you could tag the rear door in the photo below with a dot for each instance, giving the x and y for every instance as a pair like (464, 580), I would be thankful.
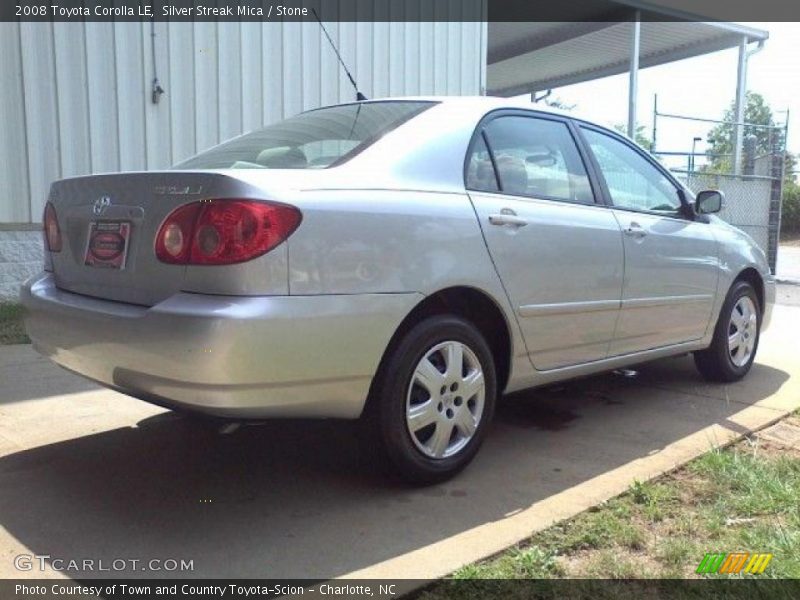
(558, 253)
(671, 263)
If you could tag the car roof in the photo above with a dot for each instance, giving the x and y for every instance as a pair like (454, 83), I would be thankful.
(477, 104)
(487, 102)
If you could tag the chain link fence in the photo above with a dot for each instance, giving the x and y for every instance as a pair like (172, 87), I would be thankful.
(748, 205)
(753, 191)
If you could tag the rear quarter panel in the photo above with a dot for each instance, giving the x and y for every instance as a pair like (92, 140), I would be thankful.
(382, 241)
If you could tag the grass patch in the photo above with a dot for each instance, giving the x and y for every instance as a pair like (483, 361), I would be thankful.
(530, 562)
(607, 527)
(12, 330)
(743, 498)
(611, 564)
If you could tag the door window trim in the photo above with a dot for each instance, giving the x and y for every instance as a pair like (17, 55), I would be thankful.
(485, 139)
(686, 213)
(480, 133)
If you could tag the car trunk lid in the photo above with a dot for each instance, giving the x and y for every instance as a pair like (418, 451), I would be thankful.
(109, 224)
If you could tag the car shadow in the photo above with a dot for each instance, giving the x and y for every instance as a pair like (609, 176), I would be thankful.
(288, 499)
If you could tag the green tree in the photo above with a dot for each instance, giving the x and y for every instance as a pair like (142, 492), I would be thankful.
(640, 137)
(790, 167)
(790, 211)
(721, 136)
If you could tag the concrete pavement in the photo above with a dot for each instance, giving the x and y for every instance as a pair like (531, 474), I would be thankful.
(88, 473)
(788, 266)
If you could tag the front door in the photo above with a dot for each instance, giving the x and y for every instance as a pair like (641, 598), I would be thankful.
(671, 263)
(558, 253)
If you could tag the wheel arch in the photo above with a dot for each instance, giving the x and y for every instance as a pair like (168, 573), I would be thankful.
(474, 305)
(753, 277)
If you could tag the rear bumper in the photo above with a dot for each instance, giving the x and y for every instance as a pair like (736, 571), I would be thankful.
(246, 357)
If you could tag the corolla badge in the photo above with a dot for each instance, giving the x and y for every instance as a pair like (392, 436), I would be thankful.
(101, 204)
(178, 190)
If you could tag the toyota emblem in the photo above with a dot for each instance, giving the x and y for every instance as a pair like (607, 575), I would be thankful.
(101, 204)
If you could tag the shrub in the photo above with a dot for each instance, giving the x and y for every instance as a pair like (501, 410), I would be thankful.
(790, 212)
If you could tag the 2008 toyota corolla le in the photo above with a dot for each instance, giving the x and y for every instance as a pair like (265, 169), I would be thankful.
(399, 261)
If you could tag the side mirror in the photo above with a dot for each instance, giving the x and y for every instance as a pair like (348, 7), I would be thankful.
(708, 202)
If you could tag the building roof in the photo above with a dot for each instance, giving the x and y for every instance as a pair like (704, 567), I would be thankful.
(527, 57)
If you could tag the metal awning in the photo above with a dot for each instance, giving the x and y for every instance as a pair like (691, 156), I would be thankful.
(528, 57)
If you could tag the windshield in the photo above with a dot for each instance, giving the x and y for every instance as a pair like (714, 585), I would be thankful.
(312, 140)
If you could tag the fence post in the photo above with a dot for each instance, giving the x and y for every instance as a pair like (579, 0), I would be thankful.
(775, 196)
(750, 154)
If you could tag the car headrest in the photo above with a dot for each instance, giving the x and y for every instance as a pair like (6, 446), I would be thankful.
(280, 158)
(513, 174)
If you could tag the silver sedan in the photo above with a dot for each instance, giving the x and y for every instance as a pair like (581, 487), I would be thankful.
(399, 261)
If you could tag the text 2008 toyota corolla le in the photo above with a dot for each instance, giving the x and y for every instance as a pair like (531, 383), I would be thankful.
(399, 261)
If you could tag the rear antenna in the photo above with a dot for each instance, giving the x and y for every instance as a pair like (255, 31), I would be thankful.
(359, 95)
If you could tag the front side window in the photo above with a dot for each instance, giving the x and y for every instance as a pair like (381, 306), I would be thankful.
(633, 181)
(534, 157)
(312, 140)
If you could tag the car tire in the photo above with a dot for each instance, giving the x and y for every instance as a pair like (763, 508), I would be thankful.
(736, 336)
(425, 418)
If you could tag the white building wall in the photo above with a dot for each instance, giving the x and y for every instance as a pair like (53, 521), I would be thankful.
(75, 98)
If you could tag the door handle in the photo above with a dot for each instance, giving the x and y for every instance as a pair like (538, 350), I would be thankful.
(635, 230)
(507, 217)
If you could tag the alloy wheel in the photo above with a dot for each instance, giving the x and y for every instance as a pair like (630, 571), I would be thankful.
(742, 331)
(445, 400)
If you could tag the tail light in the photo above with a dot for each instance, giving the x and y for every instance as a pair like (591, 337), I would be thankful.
(52, 233)
(224, 232)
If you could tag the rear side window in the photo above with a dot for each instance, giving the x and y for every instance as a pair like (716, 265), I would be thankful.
(312, 140)
(533, 157)
(480, 171)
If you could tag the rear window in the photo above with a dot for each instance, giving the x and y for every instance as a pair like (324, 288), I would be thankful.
(317, 139)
